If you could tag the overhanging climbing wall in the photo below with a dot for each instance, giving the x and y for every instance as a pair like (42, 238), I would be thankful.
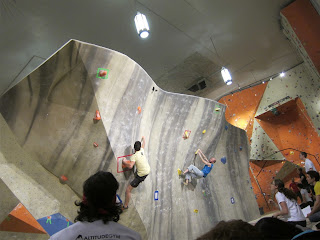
(51, 114)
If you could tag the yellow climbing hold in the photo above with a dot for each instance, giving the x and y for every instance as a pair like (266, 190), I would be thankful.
(196, 152)
(291, 152)
(217, 109)
(204, 131)
(179, 171)
(196, 210)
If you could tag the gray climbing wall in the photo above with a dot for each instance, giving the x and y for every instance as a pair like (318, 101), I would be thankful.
(51, 113)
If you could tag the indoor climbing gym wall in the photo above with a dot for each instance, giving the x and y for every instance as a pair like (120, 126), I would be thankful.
(282, 116)
(83, 109)
(286, 121)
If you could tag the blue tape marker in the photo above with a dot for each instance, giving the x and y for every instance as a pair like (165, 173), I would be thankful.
(156, 195)
(232, 200)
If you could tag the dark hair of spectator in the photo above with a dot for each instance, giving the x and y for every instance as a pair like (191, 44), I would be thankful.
(314, 174)
(137, 145)
(273, 228)
(234, 229)
(300, 170)
(304, 154)
(288, 193)
(300, 185)
(99, 199)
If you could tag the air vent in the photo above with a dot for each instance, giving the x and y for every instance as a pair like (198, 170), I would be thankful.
(199, 86)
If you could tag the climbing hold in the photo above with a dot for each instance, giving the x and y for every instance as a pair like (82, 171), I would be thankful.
(48, 219)
(196, 210)
(196, 152)
(291, 152)
(97, 116)
(95, 144)
(226, 127)
(179, 171)
(102, 73)
(204, 131)
(240, 148)
(224, 160)
(217, 109)
(139, 109)
(156, 195)
(63, 179)
(186, 134)
(232, 200)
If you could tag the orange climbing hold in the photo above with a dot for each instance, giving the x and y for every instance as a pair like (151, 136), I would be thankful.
(63, 178)
(97, 116)
(139, 109)
(102, 73)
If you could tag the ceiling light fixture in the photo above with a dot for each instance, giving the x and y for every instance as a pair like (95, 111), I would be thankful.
(226, 76)
(142, 25)
(282, 74)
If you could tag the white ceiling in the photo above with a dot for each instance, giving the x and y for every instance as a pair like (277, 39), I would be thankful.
(189, 39)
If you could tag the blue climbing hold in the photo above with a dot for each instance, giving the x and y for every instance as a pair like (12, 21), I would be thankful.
(226, 127)
(240, 148)
(224, 160)
(156, 195)
(232, 200)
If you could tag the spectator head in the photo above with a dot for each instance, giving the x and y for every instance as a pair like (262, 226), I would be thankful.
(300, 185)
(303, 155)
(99, 199)
(234, 229)
(312, 177)
(300, 170)
(278, 184)
(273, 228)
(137, 146)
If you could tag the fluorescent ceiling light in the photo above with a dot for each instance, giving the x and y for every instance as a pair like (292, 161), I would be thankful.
(226, 76)
(142, 25)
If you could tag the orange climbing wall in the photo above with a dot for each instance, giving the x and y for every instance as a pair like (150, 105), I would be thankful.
(21, 220)
(269, 169)
(292, 128)
(242, 107)
(305, 22)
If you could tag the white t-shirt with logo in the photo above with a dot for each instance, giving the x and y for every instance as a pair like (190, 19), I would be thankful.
(96, 230)
(294, 211)
(308, 164)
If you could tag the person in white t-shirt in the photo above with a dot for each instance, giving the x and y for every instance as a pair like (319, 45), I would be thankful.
(308, 165)
(99, 212)
(288, 205)
(306, 199)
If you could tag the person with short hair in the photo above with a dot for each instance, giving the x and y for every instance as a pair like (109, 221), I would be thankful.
(274, 228)
(194, 172)
(308, 164)
(287, 201)
(233, 229)
(303, 179)
(98, 214)
(306, 199)
(143, 168)
(313, 179)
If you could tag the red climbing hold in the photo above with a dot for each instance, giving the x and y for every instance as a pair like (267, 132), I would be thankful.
(95, 144)
(97, 117)
(102, 73)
